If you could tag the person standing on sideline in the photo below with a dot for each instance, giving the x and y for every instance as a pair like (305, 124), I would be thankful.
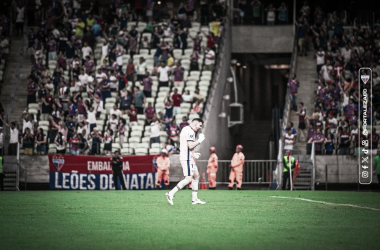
(187, 158)
(163, 164)
(1, 173)
(117, 170)
(212, 168)
(289, 162)
(237, 163)
(293, 85)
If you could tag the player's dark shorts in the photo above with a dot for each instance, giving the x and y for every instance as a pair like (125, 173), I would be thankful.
(301, 125)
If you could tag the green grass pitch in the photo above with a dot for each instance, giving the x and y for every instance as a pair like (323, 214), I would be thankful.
(230, 220)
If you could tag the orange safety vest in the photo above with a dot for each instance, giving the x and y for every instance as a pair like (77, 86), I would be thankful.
(212, 165)
(163, 163)
(237, 161)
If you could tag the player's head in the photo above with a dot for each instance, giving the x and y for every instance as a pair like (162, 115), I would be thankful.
(164, 152)
(239, 148)
(117, 153)
(196, 124)
(212, 150)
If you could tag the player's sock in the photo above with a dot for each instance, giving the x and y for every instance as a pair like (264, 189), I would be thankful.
(179, 186)
(195, 189)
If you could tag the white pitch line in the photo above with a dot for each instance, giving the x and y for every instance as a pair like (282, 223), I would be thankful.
(328, 203)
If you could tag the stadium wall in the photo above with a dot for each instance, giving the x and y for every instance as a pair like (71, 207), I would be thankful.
(267, 39)
(341, 169)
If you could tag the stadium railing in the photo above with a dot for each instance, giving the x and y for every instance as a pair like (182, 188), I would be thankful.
(254, 171)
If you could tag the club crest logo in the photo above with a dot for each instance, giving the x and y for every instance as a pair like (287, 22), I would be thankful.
(365, 78)
(58, 161)
(191, 136)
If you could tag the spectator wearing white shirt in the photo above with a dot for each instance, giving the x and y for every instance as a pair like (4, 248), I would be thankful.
(86, 51)
(83, 77)
(163, 73)
(91, 116)
(13, 142)
(346, 53)
(320, 55)
(155, 128)
(187, 97)
(116, 112)
(289, 140)
(104, 50)
(113, 123)
(210, 59)
(100, 75)
(141, 68)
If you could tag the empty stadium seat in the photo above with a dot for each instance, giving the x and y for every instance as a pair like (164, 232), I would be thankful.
(141, 151)
(134, 139)
(154, 151)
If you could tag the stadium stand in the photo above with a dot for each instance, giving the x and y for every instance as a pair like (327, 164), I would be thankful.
(339, 48)
(84, 63)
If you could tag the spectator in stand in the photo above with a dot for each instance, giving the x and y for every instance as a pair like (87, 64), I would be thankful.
(176, 99)
(184, 123)
(41, 140)
(28, 142)
(293, 86)
(139, 100)
(197, 109)
(197, 96)
(301, 120)
(344, 140)
(74, 144)
(71, 125)
(105, 87)
(125, 97)
(173, 131)
(331, 122)
(289, 141)
(210, 59)
(96, 140)
(168, 107)
(350, 109)
(282, 14)
(130, 70)
(132, 113)
(197, 40)
(147, 82)
(84, 149)
(170, 61)
(194, 65)
(329, 144)
(150, 112)
(163, 74)
(141, 69)
(302, 31)
(122, 129)
(187, 97)
(113, 123)
(155, 127)
(211, 40)
(271, 14)
(178, 73)
(108, 139)
(320, 55)
(32, 89)
(318, 139)
(60, 142)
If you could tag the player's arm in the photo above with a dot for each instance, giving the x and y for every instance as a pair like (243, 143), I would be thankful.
(192, 144)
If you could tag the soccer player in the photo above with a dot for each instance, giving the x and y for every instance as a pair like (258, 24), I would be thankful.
(187, 158)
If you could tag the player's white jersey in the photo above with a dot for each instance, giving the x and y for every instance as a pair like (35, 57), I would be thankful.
(187, 134)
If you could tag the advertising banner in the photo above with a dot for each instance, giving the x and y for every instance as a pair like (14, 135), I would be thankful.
(70, 172)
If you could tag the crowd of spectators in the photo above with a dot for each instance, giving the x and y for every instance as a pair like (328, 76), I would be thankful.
(105, 78)
(340, 51)
(260, 13)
